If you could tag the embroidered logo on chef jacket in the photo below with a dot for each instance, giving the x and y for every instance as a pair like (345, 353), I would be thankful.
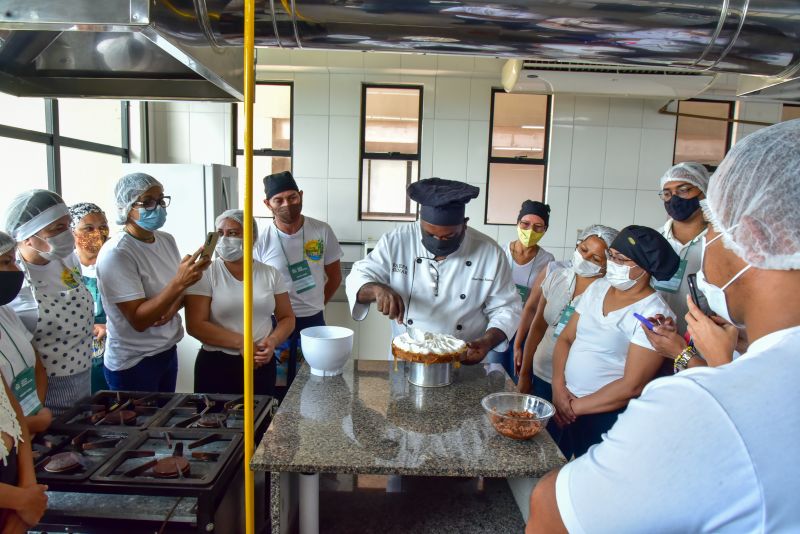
(400, 268)
(482, 279)
(71, 277)
(314, 249)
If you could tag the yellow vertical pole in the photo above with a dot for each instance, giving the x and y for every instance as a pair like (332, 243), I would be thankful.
(249, 97)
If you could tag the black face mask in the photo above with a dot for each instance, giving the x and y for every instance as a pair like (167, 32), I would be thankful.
(10, 284)
(441, 247)
(681, 209)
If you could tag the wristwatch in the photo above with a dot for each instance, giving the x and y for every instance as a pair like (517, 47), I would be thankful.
(682, 361)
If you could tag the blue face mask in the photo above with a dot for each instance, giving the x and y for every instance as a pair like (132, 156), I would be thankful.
(152, 220)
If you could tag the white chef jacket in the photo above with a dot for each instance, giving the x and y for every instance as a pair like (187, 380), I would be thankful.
(476, 291)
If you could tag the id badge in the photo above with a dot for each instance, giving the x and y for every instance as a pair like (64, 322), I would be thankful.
(301, 276)
(673, 285)
(523, 291)
(566, 313)
(24, 389)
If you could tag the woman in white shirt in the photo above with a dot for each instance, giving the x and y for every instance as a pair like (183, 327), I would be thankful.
(562, 289)
(214, 315)
(54, 305)
(142, 279)
(603, 359)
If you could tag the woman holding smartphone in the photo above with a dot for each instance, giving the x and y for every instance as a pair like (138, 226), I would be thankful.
(142, 279)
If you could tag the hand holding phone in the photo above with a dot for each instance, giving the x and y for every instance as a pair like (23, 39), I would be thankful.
(697, 296)
(645, 321)
(209, 245)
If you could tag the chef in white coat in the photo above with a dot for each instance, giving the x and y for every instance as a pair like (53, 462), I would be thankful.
(439, 275)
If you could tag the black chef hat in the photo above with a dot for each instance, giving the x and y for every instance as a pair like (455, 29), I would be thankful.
(534, 207)
(278, 183)
(443, 201)
(649, 250)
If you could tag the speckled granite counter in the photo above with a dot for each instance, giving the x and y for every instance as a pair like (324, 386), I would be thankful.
(370, 420)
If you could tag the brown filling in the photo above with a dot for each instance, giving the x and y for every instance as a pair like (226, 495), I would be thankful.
(524, 426)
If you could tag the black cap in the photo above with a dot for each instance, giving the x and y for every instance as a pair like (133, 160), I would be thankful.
(534, 207)
(443, 201)
(278, 183)
(649, 250)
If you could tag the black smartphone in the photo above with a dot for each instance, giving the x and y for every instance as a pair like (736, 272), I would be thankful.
(697, 296)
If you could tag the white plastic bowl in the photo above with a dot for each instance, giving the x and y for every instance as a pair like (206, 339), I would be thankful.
(326, 348)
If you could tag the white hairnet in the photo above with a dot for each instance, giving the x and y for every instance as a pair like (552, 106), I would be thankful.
(128, 189)
(238, 216)
(606, 233)
(6, 243)
(31, 211)
(753, 198)
(689, 172)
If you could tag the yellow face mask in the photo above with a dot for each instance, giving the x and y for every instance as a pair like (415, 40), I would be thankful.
(528, 238)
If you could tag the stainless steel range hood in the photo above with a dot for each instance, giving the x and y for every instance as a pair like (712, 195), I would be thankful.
(157, 49)
(192, 48)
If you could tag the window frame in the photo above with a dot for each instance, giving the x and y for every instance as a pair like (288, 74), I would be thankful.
(264, 152)
(387, 156)
(784, 105)
(516, 160)
(729, 132)
(54, 141)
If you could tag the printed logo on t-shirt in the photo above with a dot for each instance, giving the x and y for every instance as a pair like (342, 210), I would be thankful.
(314, 249)
(71, 277)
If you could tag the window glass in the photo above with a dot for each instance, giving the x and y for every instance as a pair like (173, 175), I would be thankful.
(262, 166)
(391, 123)
(27, 113)
(95, 120)
(518, 125)
(24, 166)
(509, 185)
(385, 194)
(90, 177)
(705, 141)
(272, 124)
(790, 112)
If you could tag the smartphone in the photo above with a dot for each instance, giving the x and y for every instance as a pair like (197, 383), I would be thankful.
(697, 296)
(209, 245)
(644, 321)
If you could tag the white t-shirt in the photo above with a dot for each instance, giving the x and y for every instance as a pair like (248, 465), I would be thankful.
(315, 243)
(226, 299)
(16, 351)
(129, 269)
(557, 288)
(701, 451)
(524, 275)
(692, 252)
(598, 354)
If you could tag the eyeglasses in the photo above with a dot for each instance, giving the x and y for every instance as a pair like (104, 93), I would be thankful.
(151, 203)
(538, 228)
(617, 258)
(683, 191)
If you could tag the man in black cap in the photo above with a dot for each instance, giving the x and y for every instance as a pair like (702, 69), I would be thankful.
(306, 253)
(438, 275)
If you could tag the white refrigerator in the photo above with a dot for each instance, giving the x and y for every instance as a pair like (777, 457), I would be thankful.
(198, 194)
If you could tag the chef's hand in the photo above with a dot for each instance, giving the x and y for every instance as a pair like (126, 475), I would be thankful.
(388, 302)
(714, 337)
(479, 348)
(664, 337)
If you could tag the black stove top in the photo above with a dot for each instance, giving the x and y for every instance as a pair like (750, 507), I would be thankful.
(211, 411)
(74, 454)
(117, 409)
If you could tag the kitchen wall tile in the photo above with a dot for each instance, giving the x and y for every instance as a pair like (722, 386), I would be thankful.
(315, 196)
(452, 98)
(655, 157)
(418, 62)
(345, 94)
(477, 152)
(207, 148)
(170, 105)
(626, 112)
(311, 94)
(343, 147)
(563, 109)
(458, 64)
(338, 314)
(480, 98)
(618, 208)
(264, 75)
(345, 60)
(378, 78)
(375, 336)
(309, 58)
(310, 146)
(588, 156)
(381, 60)
(428, 84)
(591, 110)
(172, 137)
(209, 107)
(343, 209)
(373, 230)
(649, 210)
(267, 57)
(651, 118)
(558, 200)
(585, 207)
(560, 253)
(622, 157)
(489, 65)
(560, 161)
(426, 151)
(506, 233)
(476, 211)
(450, 145)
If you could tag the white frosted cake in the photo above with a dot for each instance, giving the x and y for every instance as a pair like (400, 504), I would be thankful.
(427, 347)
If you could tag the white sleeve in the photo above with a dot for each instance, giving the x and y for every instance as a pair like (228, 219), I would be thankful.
(119, 278)
(26, 308)
(638, 337)
(375, 267)
(279, 284)
(652, 468)
(202, 287)
(333, 252)
(503, 306)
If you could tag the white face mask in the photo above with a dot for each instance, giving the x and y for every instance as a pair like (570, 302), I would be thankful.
(61, 246)
(715, 296)
(583, 267)
(619, 276)
(230, 248)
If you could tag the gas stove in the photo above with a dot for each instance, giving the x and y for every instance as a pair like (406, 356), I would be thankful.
(187, 447)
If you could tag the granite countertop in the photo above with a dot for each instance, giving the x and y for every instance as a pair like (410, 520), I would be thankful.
(371, 420)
